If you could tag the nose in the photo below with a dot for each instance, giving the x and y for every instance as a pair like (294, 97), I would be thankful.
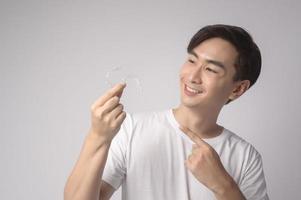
(195, 75)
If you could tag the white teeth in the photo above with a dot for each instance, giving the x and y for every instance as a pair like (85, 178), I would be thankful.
(192, 90)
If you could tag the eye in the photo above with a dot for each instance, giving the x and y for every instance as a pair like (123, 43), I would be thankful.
(210, 70)
(191, 61)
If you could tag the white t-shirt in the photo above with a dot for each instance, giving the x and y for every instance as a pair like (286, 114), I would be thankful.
(147, 158)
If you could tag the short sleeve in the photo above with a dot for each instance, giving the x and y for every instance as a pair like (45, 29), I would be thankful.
(253, 184)
(115, 168)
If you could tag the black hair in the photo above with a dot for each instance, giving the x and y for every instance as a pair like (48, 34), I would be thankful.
(248, 62)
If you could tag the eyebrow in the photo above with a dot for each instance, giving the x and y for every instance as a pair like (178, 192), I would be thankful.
(214, 62)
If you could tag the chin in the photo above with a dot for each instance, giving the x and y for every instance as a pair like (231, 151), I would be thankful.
(190, 102)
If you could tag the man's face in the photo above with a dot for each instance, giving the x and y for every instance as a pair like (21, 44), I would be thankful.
(206, 77)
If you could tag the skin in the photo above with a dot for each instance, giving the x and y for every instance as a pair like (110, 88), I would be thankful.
(107, 116)
(198, 114)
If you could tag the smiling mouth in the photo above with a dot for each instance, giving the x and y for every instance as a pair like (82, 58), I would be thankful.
(191, 91)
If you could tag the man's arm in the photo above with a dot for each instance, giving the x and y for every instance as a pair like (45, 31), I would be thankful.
(85, 179)
(107, 116)
(204, 163)
(106, 191)
(229, 191)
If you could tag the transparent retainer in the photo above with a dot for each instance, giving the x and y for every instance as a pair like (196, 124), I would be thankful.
(123, 78)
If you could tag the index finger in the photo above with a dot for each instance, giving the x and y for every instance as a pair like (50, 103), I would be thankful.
(114, 91)
(193, 136)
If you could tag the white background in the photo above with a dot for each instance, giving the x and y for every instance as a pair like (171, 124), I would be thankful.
(54, 56)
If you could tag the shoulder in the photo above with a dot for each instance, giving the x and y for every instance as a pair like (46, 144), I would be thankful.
(148, 117)
(240, 143)
(251, 179)
(136, 122)
(132, 119)
(243, 149)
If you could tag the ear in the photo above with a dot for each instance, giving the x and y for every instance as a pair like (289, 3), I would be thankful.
(239, 89)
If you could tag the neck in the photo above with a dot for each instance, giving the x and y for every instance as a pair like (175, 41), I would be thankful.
(200, 121)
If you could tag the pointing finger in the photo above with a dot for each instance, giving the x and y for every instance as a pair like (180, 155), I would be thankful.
(193, 136)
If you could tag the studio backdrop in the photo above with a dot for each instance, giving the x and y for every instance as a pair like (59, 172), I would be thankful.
(54, 62)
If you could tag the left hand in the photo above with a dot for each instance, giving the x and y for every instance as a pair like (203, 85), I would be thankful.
(204, 163)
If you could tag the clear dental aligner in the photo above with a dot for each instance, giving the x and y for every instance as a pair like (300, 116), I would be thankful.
(126, 78)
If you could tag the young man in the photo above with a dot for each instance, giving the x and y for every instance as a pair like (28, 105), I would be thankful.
(180, 153)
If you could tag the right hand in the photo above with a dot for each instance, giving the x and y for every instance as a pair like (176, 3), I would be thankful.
(107, 114)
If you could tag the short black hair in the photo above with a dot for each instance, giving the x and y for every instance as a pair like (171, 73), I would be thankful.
(248, 62)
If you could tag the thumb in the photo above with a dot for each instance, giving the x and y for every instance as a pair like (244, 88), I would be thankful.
(121, 91)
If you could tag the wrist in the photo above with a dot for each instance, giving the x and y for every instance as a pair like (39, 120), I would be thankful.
(228, 187)
(228, 184)
(97, 139)
(229, 190)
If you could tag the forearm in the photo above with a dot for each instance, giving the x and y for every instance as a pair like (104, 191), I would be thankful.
(84, 181)
(230, 191)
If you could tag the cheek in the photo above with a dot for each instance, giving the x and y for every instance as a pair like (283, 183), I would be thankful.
(222, 90)
(184, 72)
